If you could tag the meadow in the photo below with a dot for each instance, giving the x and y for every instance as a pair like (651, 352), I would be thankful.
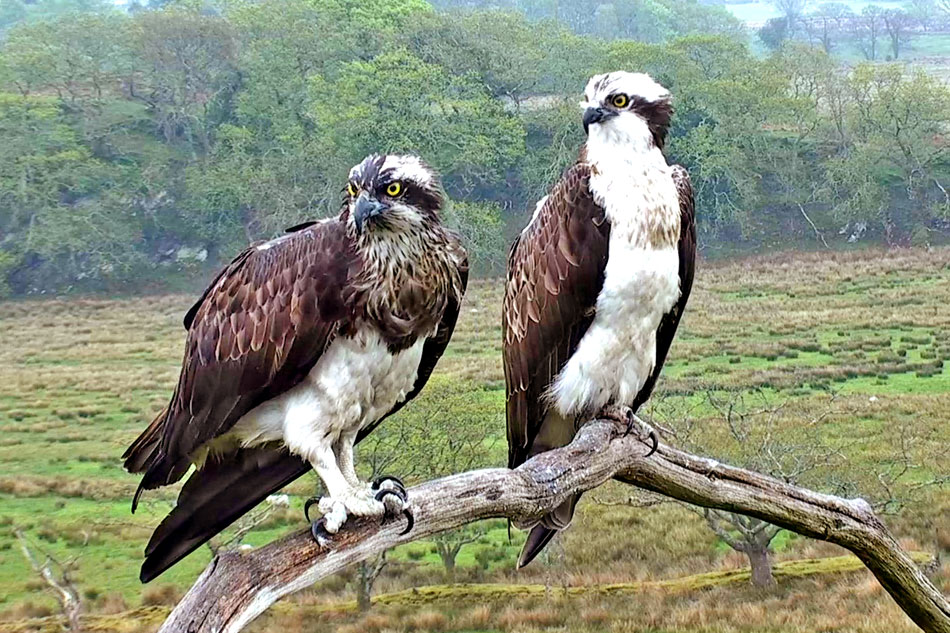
(834, 363)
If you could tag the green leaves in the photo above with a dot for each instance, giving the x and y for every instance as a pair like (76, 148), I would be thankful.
(206, 125)
(398, 103)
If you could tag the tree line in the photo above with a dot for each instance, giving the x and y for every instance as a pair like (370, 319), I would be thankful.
(877, 32)
(141, 146)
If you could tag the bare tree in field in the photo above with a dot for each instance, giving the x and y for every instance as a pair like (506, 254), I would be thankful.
(58, 577)
(793, 10)
(424, 444)
(754, 540)
(367, 572)
(826, 25)
(897, 24)
(869, 30)
(770, 438)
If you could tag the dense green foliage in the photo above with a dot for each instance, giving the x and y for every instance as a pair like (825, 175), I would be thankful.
(139, 146)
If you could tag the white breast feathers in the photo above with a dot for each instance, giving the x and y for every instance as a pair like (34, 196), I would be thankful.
(356, 382)
(618, 352)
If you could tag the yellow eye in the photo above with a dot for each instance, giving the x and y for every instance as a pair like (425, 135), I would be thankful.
(620, 100)
(351, 189)
(394, 189)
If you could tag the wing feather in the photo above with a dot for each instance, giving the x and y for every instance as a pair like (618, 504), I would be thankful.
(555, 272)
(256, 332)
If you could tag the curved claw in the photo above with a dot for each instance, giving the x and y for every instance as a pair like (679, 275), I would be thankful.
(656, 443)
(319, 533)
(309, 503)
(410, 521)
(406, 512)
(397, 482)
(399, 494)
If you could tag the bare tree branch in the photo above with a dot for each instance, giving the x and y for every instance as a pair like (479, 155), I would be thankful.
(237, 587)
(61, 585)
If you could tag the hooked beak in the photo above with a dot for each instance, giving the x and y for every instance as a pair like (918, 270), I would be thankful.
(596, 115)
(365, 209)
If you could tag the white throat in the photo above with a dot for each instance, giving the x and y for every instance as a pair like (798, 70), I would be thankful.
(620, 143)
(631, 180)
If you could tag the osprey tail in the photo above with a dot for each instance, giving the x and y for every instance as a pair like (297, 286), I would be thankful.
(213, 498)
(141, 455)
(145, 456)
(542, 533)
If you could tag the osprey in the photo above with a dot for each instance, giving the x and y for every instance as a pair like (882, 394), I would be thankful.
(299, 349)
(598, 280)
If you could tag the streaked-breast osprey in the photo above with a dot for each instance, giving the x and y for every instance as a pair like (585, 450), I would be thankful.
(297, 350)
(598, 279)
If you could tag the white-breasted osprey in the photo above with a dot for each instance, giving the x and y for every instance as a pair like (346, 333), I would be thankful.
(598, 279)
(297, 350)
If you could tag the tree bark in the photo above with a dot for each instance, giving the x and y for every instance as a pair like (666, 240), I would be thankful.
(448, 554)
(237, 587)
(366, 574)
(364, 588)
(760, 560)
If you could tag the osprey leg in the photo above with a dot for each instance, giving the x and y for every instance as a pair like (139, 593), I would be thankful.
(343, 498)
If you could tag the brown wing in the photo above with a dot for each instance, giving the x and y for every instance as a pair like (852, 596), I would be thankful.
(555, 272)
(257, 331)
(687, 256)
(224, 490)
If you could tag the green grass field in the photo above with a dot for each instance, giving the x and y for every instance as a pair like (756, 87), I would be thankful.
(846, 349)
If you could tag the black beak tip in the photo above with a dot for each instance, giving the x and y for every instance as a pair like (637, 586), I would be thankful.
(365, 209)
(595, 115)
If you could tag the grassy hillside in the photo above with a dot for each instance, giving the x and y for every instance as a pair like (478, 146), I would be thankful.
(850, 347)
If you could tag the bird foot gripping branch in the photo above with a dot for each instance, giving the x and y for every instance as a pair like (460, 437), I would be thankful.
(388, 491)
(630, 424)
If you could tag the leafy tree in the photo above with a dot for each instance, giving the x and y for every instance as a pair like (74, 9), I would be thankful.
(186, 63)
(516, 59)
(133, 139)
(398, 103)
(774, 32)
(792, 10)
(481, 227)
(49, 208)
(650, 20)
(896, 116)
(14, 12)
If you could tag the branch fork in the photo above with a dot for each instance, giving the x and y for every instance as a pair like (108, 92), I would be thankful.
(236, 587)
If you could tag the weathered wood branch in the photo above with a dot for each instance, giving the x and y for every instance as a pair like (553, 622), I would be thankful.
(237, 587)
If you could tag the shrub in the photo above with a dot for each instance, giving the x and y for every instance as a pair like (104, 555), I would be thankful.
(162, 595)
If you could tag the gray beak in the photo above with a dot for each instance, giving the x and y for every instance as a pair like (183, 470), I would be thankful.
(365, 209)
(596, 115)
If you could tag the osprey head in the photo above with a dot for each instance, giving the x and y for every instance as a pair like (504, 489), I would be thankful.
(625, 107)
(391, 193)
